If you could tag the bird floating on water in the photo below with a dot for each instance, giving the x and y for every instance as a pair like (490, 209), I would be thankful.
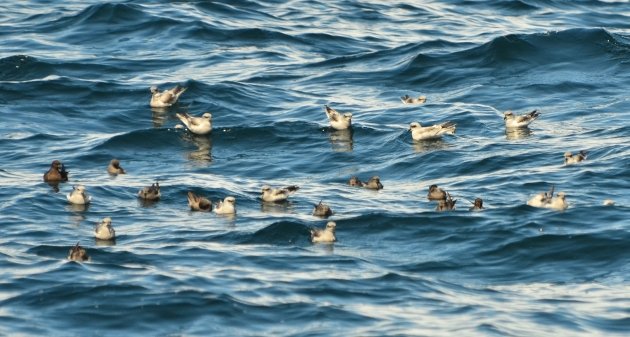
(419, 132)
(199, 203)
(150, 192)
(374, 183)
(322, 210)
(410, 100)
(79, 196)
(324, 235)
(197, 125)
(114, 167)
(56, 173)
(227, 206)
(277, 194)
(337, 120)
(78, 253)
(477, 205)
(570, 158)
(165, 98)
(446, 204)
(513, 121)
(104, 230)
(354, 181)
(436, 193)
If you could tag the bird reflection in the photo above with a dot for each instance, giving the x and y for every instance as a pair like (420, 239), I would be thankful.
(276, 207)
(104, 243)
(203, 144)
(341, 140)
(54, 186)
(158, 116)
(517, 133)
(429, 145)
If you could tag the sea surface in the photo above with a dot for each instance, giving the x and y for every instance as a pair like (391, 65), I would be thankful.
(74, 86)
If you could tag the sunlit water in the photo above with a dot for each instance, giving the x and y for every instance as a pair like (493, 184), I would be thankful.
(74, 86)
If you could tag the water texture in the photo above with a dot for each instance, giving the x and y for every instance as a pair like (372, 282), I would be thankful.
(74, 86)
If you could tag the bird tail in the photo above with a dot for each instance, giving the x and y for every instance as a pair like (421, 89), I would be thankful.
(404, 99)
(534, 114)
(292, 188)
(192, 199)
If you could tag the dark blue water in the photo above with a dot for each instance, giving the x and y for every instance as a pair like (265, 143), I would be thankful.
(74, 86)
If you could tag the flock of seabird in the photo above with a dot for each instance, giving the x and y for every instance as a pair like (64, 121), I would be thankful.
(203, 125)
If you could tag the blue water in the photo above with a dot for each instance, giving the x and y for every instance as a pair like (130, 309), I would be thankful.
(74, 86)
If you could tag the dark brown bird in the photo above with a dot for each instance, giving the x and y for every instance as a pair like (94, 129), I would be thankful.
(150, 192)
(374, 183)
(56, 173)
(477, 205)
(322, 210)
(436, 193)
(78, 253)
(446, 204)
(115, 168)
(199, 203)
(354, 181)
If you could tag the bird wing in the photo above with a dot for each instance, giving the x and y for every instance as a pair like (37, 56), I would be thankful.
(332, 113)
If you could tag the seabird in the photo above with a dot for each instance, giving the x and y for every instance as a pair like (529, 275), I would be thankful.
(227, 206)
(324, 235)
(78, 253)
(199, 203)
(280, 194)
(338, 121)
(558, 202)
(114, 167)
(477, 205)
(570, 158)
(609, 202)
(374, 183)
(512, 121)
(419, 132)
(436, 193)
(541, 199)
(150, 192)
(165, 98)
(322, 210)
(197, 125)
(56, 173)
(446, 204)
(79, 196)
(354, 181)
(409, 100)
(104, 230)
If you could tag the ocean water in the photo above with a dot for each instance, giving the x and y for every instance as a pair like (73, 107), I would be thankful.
(74, 86)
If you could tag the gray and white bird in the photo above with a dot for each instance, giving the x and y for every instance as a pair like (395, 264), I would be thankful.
(198, 203)
(150, 192)
(79, 196)
(104, 230)
(559, 202)
(570, 158)
(541, 199)
(277, 194)
(513, 121)
(114, 167)
(227, 206)
(322, 210)
(410, 100)
(197, 125)
(419, 132)
(165, 98)
(337, 120)
(324, 235)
